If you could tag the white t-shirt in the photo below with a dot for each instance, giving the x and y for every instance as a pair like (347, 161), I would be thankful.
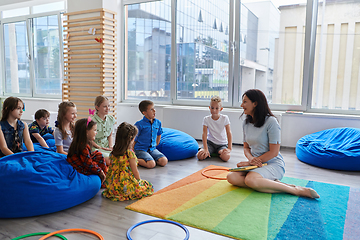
(216, 129)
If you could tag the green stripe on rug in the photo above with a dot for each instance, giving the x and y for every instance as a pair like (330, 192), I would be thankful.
(281, 205)
(220, 188)
(249, 220)
(209, 214)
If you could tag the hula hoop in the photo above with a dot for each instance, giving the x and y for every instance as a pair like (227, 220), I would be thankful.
(217, 178)
(159, 220)
(73, 230)
(37, 234)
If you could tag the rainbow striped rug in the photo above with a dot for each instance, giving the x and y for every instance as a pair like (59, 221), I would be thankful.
(218, 207)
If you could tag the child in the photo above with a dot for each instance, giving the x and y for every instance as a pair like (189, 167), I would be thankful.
(103, 140)
(64, 127)
(123, 179)
(148, 138)
(13, 131)
(40, 127)
(216, 137)
(80, 156)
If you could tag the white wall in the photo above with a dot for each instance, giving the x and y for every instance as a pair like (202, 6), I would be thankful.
(189, 119)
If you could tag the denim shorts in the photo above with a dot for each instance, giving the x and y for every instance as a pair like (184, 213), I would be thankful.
(149, 155)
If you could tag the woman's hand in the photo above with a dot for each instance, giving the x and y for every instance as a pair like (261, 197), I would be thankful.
(243, 164)
(256, 162)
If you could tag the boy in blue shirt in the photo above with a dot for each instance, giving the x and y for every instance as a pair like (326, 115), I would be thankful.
(148, 137)
(40, 127)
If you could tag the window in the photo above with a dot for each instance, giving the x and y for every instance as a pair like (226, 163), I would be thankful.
(47, 55)
(148, 50)
(202, 43)
(336, 83)
(17, 65)
(32, 55)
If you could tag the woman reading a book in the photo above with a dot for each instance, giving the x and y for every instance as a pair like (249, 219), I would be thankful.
(262, 145)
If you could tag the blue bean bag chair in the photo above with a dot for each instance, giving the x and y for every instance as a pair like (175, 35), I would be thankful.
(336, 148)
(176, 145)
(36, 183)
(49, 139)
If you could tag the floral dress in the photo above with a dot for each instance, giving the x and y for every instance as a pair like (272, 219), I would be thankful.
(121, 183)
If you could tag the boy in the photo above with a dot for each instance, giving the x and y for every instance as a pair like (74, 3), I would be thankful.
(216, 137)
(148, 138)
(40, 127)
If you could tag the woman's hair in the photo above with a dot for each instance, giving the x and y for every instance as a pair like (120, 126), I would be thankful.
(262, 109)
(99, 100)
(125, 133)
(63, 108)
(10, 104)
(80, 137)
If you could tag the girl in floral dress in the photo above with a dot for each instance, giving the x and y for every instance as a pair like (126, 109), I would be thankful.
(123, 179)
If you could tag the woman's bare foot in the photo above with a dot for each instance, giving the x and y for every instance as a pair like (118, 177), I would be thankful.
(307, 192)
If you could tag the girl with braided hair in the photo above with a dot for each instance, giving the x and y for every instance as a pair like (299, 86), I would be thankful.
(123, 180)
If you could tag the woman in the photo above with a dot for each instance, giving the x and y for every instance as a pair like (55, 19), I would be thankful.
(262, 145)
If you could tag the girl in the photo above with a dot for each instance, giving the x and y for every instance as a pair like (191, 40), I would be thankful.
(123, 179)
(262, 145)
(80, 155)
(64, 126)
(103, 140)
(13, 131)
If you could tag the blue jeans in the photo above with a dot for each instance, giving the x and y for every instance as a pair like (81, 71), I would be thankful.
(149, 155)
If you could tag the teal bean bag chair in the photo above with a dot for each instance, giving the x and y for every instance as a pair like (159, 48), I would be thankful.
(41, 182)
(176, 145)
(336, 148)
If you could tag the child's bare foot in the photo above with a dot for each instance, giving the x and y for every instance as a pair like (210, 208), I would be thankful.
(307, 192)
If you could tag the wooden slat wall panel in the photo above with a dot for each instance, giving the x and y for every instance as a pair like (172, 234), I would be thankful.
(90, 59)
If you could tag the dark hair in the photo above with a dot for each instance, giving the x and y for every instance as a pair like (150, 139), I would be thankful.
(41, 113)
(10, 104)
(262, 109)
(143, 105)
(80, 140)
(125, 133)
(63, 108)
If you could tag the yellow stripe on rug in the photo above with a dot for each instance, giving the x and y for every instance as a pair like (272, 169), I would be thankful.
(214, 191)
(160, 205)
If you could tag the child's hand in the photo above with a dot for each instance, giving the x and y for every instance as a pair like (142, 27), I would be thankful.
(106, 149)
(102, 176)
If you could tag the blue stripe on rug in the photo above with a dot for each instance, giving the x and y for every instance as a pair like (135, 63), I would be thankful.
(281, 205)
(333, 205)
(304, 221)
(352, 222)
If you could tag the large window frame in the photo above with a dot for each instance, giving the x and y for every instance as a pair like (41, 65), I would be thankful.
(234, 60)
(28, 19)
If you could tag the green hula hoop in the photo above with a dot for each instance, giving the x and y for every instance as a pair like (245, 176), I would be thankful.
(37, 234)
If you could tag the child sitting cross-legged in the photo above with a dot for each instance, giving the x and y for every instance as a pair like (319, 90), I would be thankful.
(123, 180)
(40, 127)
(217, 136)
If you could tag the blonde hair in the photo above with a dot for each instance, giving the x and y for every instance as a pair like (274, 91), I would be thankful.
(63, 108)
(216, 99)
(99, 100)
